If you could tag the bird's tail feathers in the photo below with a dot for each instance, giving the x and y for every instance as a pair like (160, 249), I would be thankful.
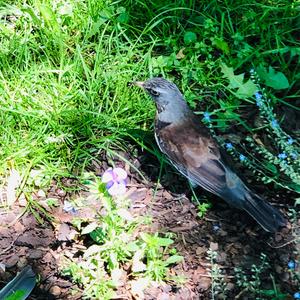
(270, 218)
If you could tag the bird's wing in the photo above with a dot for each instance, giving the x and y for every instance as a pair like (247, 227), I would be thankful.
(196, 155)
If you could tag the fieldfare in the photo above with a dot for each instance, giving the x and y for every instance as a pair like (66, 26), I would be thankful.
(195, 154)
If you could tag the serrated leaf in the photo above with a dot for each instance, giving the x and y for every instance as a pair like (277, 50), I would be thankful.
(247, 89)
(244, 89)
(273, 79)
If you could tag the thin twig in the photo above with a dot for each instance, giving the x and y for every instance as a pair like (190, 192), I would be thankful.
(283, 245)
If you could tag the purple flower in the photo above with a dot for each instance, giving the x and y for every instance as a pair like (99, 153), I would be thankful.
(282, 156)
(242, 157)
(206, 116)
(290, 141)
(115, 180)
(292, 264)
(228, 146)
(297, 295)
(258, 96)
(274, 123)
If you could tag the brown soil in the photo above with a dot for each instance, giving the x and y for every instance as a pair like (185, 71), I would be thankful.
(238, 240)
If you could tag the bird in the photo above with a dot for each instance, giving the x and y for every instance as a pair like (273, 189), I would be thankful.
(189, 146)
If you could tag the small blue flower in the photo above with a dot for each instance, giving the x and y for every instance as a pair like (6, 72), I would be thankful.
(274, 123)
(258, 103)
(206, 116)
(258, 95)
(297, 295)
(294, 155)
(290, 141)
(292, 264)
(229, 146)
(242, 157)
(252, 71)
(216, 227)
(282, 156)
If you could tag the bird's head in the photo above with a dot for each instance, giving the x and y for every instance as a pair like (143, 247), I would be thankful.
(165, 94)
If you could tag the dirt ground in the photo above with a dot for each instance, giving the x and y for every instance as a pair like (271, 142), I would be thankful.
(238, 240)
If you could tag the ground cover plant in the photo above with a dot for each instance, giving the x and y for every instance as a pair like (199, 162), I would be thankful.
(66, 106)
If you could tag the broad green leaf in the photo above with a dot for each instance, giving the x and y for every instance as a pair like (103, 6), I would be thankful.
(92, 250)
(244, 89)
(247, 89)
(273, 79)
(190, 37)
(221, 44)
(173, 259)
(89, 228)
(164, 242)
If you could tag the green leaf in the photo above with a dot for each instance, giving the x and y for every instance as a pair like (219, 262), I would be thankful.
(189, 37)
(92, 250)
(273, 79)
(221, 44)
(34, 18)
(98, 235)
(173, 259)
(132, 247)
(123, 16)
(244, 89)
(89, 228)
(49, 17)
(164, 242)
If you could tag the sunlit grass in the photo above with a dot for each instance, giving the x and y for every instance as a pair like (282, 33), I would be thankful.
(64, 99)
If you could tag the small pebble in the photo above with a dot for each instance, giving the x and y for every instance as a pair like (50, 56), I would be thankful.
(55, 290)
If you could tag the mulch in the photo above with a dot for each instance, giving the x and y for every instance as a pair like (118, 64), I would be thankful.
(236, 238)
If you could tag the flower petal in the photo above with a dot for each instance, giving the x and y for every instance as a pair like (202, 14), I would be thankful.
(121, 173)
(117, 189)
(109, 184)
(107, 175)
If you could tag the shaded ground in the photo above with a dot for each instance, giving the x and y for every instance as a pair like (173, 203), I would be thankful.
(231, 233)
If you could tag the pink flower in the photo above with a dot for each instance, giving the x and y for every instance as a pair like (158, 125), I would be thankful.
(115, 179)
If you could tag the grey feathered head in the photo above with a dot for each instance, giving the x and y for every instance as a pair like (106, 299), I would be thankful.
(161, 90)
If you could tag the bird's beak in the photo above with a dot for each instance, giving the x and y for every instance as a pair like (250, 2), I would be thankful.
(138, 83)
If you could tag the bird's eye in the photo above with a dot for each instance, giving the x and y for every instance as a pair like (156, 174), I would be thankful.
(153, 92)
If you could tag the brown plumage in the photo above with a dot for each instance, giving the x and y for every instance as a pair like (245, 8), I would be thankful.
(190, 148)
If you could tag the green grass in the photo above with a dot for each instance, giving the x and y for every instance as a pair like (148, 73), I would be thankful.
(64, 68)
(64, 95)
